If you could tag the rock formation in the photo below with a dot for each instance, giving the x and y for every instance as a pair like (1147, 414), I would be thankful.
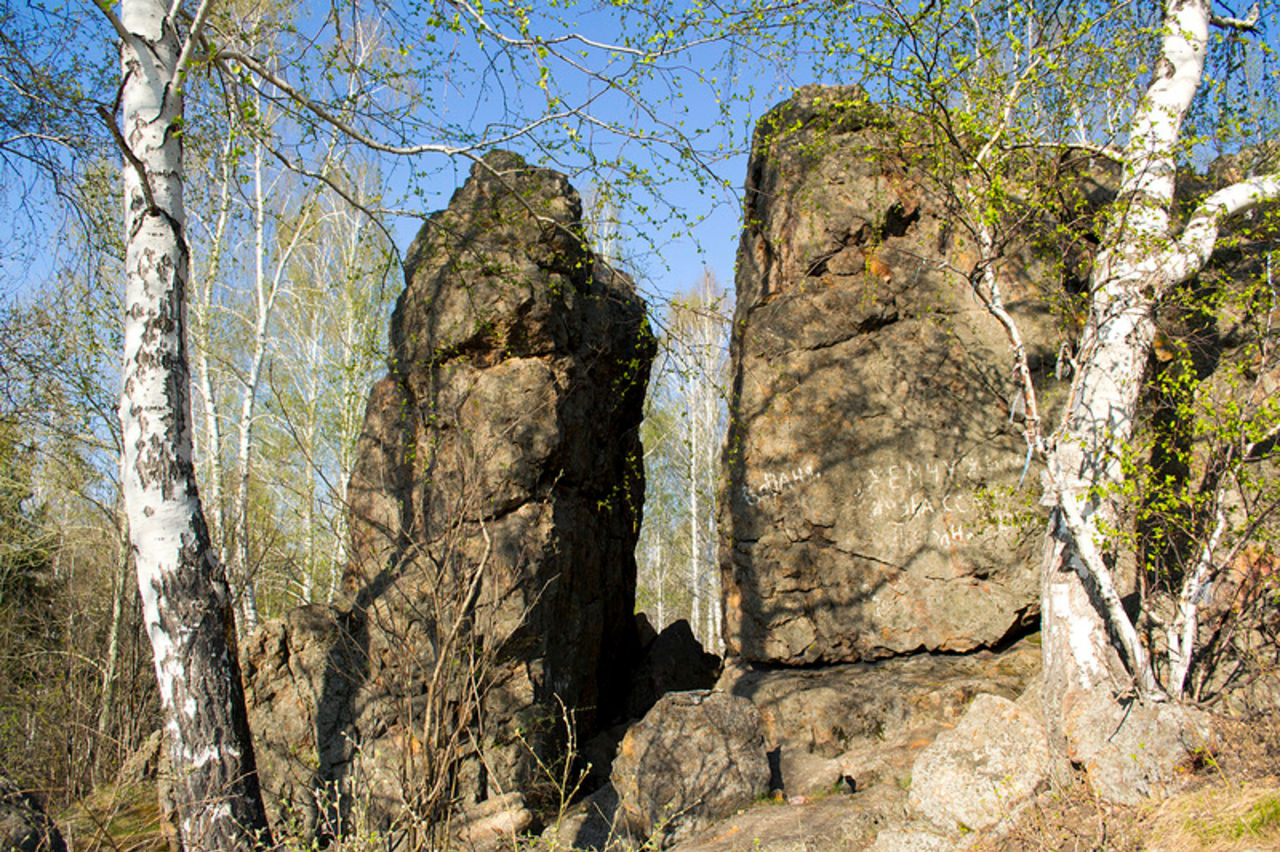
(494, 510)
(672, 662)
(871, 502)
(24, 826)
(697, 756)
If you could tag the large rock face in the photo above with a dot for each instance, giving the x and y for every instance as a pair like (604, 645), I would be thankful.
(497, 499)
(871, 464)
(494, 510)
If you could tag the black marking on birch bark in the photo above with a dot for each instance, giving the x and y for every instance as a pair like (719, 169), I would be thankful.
(132, 158)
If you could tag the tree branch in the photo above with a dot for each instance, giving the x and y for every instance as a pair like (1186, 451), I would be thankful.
(341, 124)
(1248, 23)
(104, 6)
(1199, 237)
(648, 56)
(137, 164)
(184, 58)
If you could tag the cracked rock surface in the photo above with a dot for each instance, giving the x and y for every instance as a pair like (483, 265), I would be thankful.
(871, 505)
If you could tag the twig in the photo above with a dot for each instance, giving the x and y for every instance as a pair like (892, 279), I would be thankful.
(137, 164)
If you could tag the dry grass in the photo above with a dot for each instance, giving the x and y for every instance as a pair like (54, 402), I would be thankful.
(122, 819)
(1231, 804)
(1221, 817)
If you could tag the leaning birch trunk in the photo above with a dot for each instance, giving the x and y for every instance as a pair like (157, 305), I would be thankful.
(1085, 680)
(1084, 482)
(184, 594)
(1106, 709)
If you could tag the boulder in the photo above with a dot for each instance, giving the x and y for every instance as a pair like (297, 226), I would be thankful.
(831, 824)
(1135, 750)
(696, 757)
(24, 826)
(984, 769)
(871, 503)
(491, 825)
(913, 837)
(857, 725)
(494, 503)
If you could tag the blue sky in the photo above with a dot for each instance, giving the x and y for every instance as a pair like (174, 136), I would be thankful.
(713, 93)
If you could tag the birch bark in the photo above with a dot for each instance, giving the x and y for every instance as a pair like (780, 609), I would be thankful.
(184, 594)
(1085, 680)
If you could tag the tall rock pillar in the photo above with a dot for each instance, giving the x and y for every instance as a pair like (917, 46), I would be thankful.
(870, 505)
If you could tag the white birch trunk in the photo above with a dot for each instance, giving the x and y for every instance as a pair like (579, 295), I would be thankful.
(695, 522)
(1084, 678)
(214, 472)
(184, 595)
(1084, 466)
(265, 290)
(712, 363)
(242, 573)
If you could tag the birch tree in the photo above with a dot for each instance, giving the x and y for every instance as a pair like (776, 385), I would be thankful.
(554, 87)
(697, 336)
(683, 435)
(186, 601)
(1146, 252)
(335, 316)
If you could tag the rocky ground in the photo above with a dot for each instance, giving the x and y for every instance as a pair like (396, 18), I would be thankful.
(1228, 804)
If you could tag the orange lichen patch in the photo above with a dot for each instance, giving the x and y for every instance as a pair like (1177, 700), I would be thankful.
(732, 831)
(733, 599)
(877, 268)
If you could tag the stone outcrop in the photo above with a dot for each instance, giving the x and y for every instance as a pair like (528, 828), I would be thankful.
(494, 509)
(871, 504)
(696, 757)
(857, 726)
(24, 826)
(981, 771)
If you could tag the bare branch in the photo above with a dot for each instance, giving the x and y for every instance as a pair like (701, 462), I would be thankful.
(1199, 237)
(104, 6)
(1248, 23)
(320, 111)
(141, 169)
(197, 24)
(622, 49)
